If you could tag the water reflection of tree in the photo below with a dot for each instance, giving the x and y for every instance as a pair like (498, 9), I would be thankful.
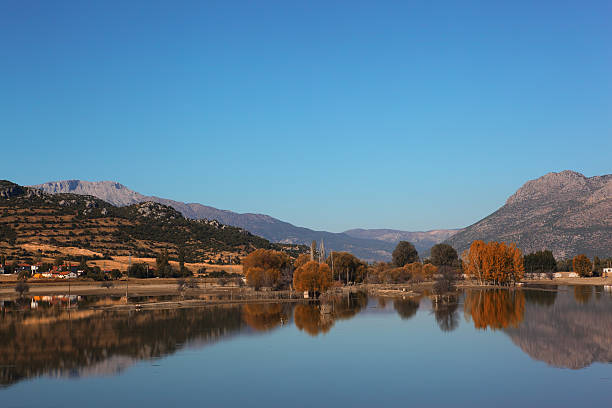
(583, 293)
(264, 317)
(345, 306)
(308, 317)
(406, 308)
(446, 314)
(541, 297)
(494, 309)
(382, 302)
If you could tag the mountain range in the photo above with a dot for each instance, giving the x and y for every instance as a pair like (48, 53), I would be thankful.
(370, 245)
(565, 212)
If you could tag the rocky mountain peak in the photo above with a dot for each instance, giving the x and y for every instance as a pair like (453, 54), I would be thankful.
(565, 212)
(562, 186)
(110, 191)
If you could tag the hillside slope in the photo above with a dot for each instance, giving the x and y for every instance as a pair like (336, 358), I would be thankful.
(565, 212)
(29, 215)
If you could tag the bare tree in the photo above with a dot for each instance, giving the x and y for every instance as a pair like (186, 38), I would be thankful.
(445, 280)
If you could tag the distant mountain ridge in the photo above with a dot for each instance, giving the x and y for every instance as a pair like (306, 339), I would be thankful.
(371, 246)
(421, 239)
(565, 212)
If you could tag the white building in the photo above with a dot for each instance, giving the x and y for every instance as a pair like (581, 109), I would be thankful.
(607, 272)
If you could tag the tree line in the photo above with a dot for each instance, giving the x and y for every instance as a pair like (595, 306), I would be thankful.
(314, 273)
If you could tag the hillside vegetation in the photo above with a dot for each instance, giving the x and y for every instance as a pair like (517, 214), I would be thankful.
(28, 216)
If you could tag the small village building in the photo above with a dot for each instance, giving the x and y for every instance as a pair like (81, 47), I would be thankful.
(606, 273)
(558, 275)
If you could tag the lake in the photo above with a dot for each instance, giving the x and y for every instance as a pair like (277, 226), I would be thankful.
(548, 346)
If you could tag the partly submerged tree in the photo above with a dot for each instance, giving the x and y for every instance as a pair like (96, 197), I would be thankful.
(446, 279)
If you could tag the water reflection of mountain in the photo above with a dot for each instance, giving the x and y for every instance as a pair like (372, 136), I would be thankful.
(58, 343)
(573, 330)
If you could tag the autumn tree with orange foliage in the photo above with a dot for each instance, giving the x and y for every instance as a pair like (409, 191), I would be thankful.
(312, 277)
(414, 272)
(582, 265)
(263, 267)
(494, 262)
(429, 271)
(301, 260)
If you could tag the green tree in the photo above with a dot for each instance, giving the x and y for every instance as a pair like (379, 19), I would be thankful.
(404, 253)
(346, 267)
(58, 261)
(115, 274)
(443, 254)
(163, 267)
(96, 274)
(597, 266)
(540, 262)
(181, 259)
(83, 265)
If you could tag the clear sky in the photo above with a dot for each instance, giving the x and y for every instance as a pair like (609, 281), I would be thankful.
(330, 115)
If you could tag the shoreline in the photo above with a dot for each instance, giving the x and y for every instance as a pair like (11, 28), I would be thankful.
(209, 290)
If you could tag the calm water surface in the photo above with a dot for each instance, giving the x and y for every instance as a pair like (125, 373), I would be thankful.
(487, 348)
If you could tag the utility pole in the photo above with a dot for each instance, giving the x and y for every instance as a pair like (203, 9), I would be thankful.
(313, 244)
(322, 252)
(127, 281)
(332, 262)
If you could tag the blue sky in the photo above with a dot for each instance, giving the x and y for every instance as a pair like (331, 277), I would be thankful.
(330, 115)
